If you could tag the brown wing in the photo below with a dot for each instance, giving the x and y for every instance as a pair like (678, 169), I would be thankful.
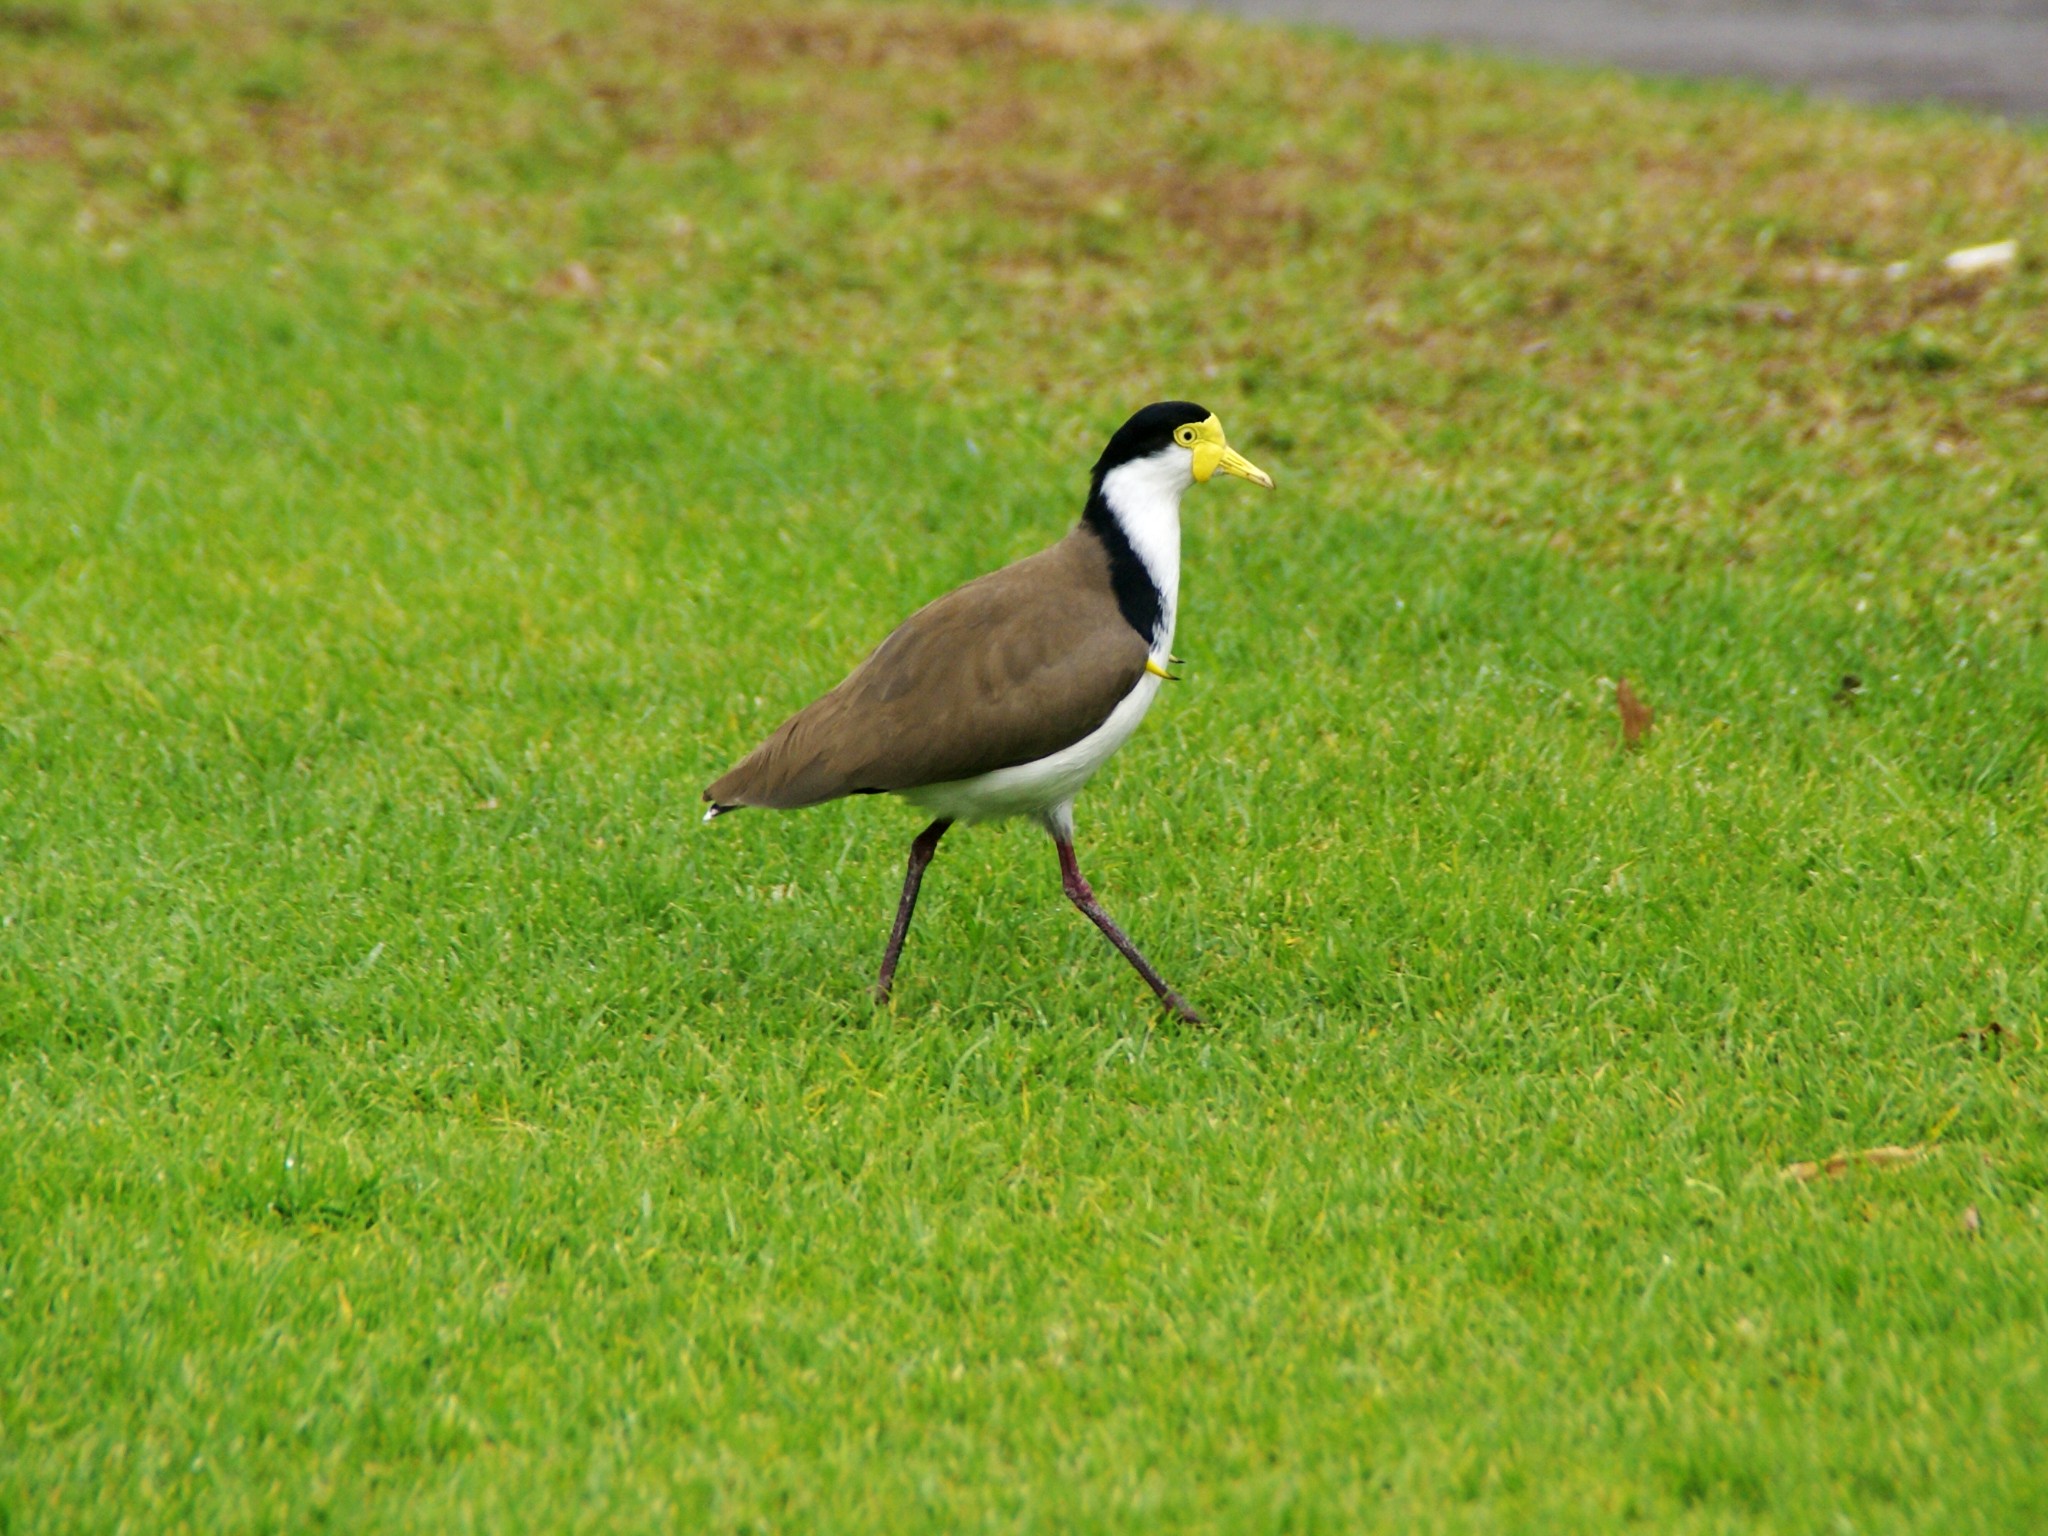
(1005, 670)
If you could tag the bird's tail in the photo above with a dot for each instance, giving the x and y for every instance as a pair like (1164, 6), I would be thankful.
(718, 810)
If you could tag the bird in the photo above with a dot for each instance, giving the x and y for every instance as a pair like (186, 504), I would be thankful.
(1005, 696)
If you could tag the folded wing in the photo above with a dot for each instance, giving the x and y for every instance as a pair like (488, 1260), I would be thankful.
(1008, 669)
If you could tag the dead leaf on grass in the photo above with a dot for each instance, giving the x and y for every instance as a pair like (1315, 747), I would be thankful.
(1972, 1223)
(1636, 716)
(572, 281)
(1991, 1037)
(1842, 1162)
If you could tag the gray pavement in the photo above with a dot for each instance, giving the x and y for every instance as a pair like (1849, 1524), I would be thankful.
(1991, 54)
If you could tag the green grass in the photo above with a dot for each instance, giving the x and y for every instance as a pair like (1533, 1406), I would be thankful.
(414, 1120)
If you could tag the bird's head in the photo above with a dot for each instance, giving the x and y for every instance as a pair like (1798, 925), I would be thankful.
(1178, 437)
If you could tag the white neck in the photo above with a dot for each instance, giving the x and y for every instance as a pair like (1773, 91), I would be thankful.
(1144, 496)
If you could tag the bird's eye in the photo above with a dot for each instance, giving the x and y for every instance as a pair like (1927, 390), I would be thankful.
(1185, 436)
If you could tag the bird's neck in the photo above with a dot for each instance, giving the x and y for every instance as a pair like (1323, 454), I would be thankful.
(1135, 511)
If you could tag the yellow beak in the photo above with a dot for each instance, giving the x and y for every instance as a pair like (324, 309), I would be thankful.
(1212, 453)
(1231, 462)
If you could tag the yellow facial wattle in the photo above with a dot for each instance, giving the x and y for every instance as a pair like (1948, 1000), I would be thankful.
(1205, 441)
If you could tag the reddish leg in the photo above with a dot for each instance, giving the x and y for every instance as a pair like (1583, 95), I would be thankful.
(1079, 893)
(921, 852)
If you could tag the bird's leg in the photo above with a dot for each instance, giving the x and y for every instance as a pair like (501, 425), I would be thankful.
(1082, 896)
(921, 852)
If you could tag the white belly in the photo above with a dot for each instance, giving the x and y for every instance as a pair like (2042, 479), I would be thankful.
(1042, 788)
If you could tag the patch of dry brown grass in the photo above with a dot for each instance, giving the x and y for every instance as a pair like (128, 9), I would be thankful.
(1406, 266)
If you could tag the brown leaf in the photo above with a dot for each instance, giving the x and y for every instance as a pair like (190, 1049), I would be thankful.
(1889, 1157)
(574, 281)
(1636, 716)
(1842, 1162)
(1972, 1223)
(1991, 1037)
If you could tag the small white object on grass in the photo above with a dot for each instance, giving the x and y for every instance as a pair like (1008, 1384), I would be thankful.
(1981, 258)
(1840, 272)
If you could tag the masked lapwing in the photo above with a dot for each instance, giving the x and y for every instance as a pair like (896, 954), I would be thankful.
(1006, 695)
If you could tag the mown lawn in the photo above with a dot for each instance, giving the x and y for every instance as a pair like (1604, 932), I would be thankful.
(434, 444)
